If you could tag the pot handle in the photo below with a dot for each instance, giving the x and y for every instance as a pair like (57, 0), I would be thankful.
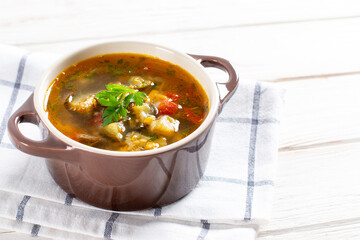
(50, 147)
(223, 64)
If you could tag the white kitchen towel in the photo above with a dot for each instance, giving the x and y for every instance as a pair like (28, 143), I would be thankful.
(231, 200)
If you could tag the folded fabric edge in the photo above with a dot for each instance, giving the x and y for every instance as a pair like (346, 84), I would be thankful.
(170, 219)
(41, 230)
(200, 230)
(107, 224)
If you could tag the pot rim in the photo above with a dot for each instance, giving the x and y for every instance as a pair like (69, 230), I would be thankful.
(213, 96)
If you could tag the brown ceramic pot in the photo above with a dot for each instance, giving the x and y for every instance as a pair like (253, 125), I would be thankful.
(125, 180)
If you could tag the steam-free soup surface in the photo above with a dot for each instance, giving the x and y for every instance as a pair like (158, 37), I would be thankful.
(126, 102)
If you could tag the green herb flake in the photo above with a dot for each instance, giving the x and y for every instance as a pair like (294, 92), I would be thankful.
(118, 71)
(186, 131)
(106, 61)
(153, 137)
(170, 72)
(91, 76)
(73, 76)
(120, 61)
(185, 101)
(116, 99)
(110, 68)
(126, 64)
(93, 71)
(52, 106)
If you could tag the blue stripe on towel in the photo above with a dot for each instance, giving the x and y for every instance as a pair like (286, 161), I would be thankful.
(109, 225)
(251, 157)
(157, 211)
(21, 208)
(13, 96)
(68, 200)
(35, 230)
(204, 229)
(22, 86)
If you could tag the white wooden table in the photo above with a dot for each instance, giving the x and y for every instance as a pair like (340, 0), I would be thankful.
(309, 47)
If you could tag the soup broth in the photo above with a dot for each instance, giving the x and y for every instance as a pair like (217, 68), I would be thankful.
(126, 102)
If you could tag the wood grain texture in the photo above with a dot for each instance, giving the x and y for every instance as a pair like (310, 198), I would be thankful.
(3, 231)
(317, 191)
(322, 231)
(71, 19)
(320, 111)
(267, 53)
(8, 235)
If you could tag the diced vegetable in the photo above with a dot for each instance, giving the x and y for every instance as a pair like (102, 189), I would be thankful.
(151, 145)
(173, 96)
(167, 108)
(136, 141)
(114, 130)
(88, 139)
(161, 141)
(143, 112)
(149, 120)
(156, 96)
(194, 115)
(97, 118)
(81, 105)
(138, 82)
(165, 125)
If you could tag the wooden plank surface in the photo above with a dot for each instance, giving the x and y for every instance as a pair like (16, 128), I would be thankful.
(320, 111)
(317, 189)
(268, 53)
(338, 230)
(92, 19)
(309, 47)
(11, 235)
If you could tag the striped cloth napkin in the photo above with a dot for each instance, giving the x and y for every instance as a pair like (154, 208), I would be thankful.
(232, 199)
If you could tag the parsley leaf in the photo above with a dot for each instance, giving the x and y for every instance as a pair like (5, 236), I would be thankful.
(116, 99)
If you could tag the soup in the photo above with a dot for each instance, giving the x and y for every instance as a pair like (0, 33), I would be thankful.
(126, 102)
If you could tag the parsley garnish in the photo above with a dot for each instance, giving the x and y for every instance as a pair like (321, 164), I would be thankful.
(116, 99)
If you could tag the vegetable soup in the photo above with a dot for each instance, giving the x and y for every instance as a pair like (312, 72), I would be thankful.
(126, 102)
